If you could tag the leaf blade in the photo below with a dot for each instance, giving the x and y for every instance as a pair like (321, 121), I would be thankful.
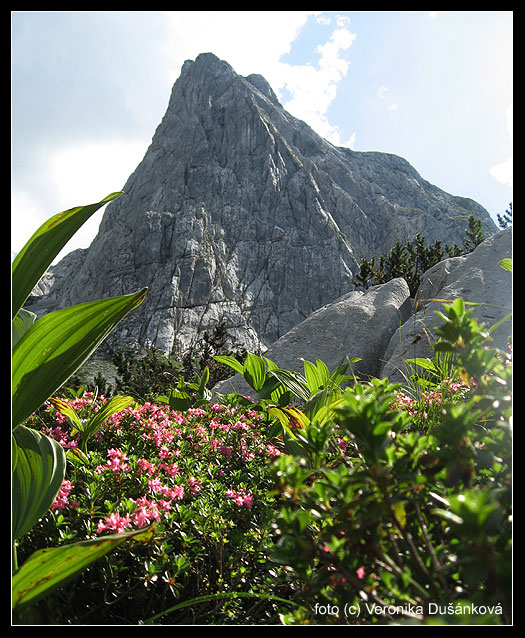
(56, 346)
(48, 569)
(44, 245)
(37, 477)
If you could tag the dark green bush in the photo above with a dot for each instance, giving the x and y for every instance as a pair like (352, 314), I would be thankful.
(405, 526)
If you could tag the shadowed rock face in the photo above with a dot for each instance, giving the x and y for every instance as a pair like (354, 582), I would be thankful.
(240, 212)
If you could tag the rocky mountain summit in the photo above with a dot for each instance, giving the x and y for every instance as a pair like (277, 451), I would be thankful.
(239, 212)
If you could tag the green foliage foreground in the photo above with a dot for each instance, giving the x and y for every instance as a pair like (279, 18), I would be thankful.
(323, 499)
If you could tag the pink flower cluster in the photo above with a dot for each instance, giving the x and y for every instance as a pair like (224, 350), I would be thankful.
(430, 398)
(158, 442)
(240, 498)
(114, 522)
(62, 437)
(117, 461)
(62, 498)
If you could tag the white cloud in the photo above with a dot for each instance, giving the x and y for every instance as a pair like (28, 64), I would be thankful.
(382, 93)
(255, 42)
(314, 89)
(504, 172)
(77, 176)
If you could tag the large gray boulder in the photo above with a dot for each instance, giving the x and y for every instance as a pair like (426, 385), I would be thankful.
(358, 324)
(385, 326)
(241, 213)
(477, 278)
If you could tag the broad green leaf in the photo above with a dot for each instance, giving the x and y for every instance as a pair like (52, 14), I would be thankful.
(14, 453)
(506, 264)
(230, 361)
(254, 371)
(270, 387)
(37, 477)
(64, 408)
(179, 400)
(323, 370)
(295, 382)
(425, 363)
(48, 569)
(57, 345)
(44, 245)
(117, 404)
(21, 324)
(313, 376)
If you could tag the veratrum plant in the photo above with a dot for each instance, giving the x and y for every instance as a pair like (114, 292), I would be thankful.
(45, 353)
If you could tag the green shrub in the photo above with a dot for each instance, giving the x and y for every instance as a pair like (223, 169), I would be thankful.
(405, 526)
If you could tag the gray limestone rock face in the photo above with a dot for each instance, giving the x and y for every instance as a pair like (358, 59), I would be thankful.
(358, 324)
(241, 213)
(476, 278)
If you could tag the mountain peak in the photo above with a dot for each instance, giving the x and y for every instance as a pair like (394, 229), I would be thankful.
(241, 213)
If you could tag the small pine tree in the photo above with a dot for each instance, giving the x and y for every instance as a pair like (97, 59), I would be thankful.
(454, 251)
(474, 234)
(366, 273)
(505, 220)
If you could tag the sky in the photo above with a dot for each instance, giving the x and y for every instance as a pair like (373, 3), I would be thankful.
(88, 90)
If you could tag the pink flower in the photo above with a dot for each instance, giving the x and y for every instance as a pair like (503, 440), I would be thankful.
(240, 498)
(164, 453)
(61, 500)
(360, 571)
(115, 522)
(195, 485)
(62, 437)
(145, 512)
(226, 450)
(171, 470)
(117, 461)
(156, 486)
(177, 492)
(145, 466)
(272, 451)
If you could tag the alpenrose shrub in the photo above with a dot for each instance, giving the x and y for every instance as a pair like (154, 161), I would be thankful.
(202, 476)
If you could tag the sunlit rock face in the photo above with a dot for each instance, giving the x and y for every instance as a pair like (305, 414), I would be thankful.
(241, 213)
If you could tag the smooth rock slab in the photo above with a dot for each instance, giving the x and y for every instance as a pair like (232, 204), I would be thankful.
(358, 324)
(476, 277)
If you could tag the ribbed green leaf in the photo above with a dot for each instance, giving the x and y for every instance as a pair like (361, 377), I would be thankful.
(48, 569)
(313, 376)
(37, 477)
(506, 264)
(64, 408)
(56, 346)
(254, 371)
(21, 324)
(425, 363)
(230, 361)
(44, 245)
(116, 404)
(295, 382)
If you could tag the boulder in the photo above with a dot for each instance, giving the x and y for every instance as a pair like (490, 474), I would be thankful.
(476, 278)
(384, 326)
(358, 324)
